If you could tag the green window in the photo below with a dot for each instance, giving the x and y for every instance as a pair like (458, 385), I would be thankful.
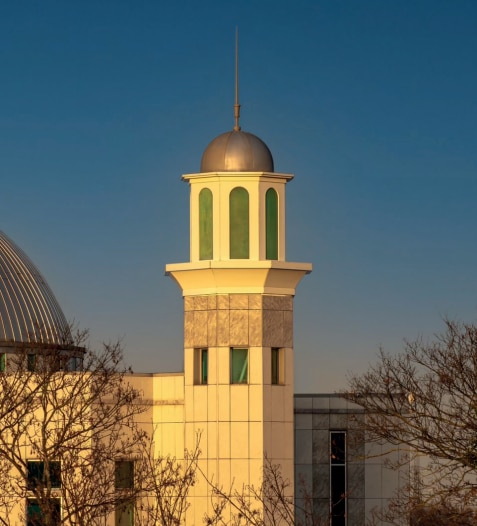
(238, 366)
(124, 514)
(275, 366)
(3, 362)
(239, 223)
(124, 474)
(36, 515)
(204, 366)
(271, 223)
(206, 225)
(37, 475)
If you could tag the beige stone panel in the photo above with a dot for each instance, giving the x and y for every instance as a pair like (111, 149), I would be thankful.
(179, 382)
(266, 363)
(238, 328)
(171, 441)
(212, 402)
(271, 302)
(277, 394)
(288, 445)
(223, 366)
(224, 477)
(224, 440)
(190, 435)
(223, 320)
(189, 369)
(256, 365)
(200, 403)
(189, 403)
(239, 440)
(289, 367)
(272, 328)
(223, 397)
(211, 328)
(240, 472)
(278, 440)
(256, 472)
(223, 302)
(188, 303)
(255, 328)
(239, 403)
(287, 328)
(239, 301)
(200, 328)
(256, 440)
(211, 302)
(255, 301)
(211, 448)
(256, 403)
(288, 403)
(267, 403)
(201, 302)
(189, 329)
(213, 364)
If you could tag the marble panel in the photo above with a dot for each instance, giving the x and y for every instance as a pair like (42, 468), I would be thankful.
(255, 328)
(212, 328)
(321, 511)
(273, 302)
(321, 481)
(356, 510)
(223, 320)
(338, 421)
(188, 303)
(223, 301)
(273, 328)
(201, 302)
(238, 301)
(356, 481)
(303, 446)
(200, 329)
(303, 480)
(303, 402)
(321, 421)
(212, 302)
(255, 301)
(303, 421)
(189, 329)
(238, 328)
(287, 328)
(373, 486)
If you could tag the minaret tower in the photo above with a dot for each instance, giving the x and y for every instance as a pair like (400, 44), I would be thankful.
(238, 294)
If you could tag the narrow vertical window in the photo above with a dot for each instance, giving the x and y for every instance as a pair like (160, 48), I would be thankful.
(3, 362)
(239, 223)
(31, 362)
(206, 224)
(201, 366)
(278, 366)
(271, 223)
(238, 366)
(38, 477)
(124, 514)
(338, 478)
(124, 474)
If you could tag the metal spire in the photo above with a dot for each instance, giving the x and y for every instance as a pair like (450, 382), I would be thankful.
(236, 105)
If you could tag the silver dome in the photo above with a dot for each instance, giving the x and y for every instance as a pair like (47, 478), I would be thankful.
(237, 151)
(29, 312)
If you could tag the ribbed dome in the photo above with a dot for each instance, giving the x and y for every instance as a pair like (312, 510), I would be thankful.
(237, 151)
(29, 312)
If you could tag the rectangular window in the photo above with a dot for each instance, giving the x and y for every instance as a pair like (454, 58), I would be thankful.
(124, 474)
(3, 362)
(338, 478)
(36, 513)
(201, 366)
(31, 362)
(38, 477)
(124, 514)
(278, 366)
(238, 366)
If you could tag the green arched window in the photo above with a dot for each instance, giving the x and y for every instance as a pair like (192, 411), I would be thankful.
(206, 224)
(239, 223)
(271, 223)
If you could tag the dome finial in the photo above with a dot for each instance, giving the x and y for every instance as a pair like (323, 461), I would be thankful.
(236, 105)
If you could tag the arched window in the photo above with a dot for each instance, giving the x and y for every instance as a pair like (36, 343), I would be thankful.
(271, 223)
(239, 224)
(206, 224)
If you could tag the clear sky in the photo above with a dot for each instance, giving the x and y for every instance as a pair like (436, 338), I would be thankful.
(371, 104)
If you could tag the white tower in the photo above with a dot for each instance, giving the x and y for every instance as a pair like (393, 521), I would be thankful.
(238, 294)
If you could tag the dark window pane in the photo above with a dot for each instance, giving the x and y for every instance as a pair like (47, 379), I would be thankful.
(204, 365)
(37, 513)
(36, 476)
(275, 366)
(124, 474)
(239, 366)
(271, 222)
(338, 447)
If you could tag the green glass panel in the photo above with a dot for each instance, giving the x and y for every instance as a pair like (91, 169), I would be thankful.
(206, 224)
(239, 366)
(271, 223)
(239, 224)
(204, 366)
(275, 356)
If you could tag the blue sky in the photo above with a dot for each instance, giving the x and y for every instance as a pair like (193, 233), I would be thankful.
(371, 104)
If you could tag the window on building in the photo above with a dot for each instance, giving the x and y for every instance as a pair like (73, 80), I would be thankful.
(40, 477)
(239, 223)
(278, 366)
(271, 223)
(3, 362)
(201, 366)
(206, 224)
(124, 474)
(238, 366)
(37, 513)
(124, 514)
(338, 478)
(31, 362)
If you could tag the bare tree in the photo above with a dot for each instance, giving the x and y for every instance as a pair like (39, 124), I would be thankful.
(62, 432)
(425, 401)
